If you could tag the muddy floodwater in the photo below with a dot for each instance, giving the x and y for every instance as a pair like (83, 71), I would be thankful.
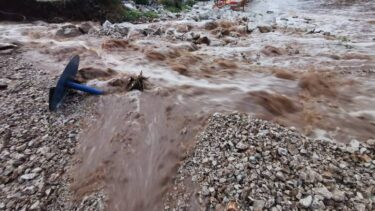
(304, 64)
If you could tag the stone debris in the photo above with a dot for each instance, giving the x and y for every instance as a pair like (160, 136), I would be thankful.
(261, 165)
(36, 146)
(3, 84)
(69, 31)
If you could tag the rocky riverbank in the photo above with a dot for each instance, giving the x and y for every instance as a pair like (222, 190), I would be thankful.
(241, 163)
(297, 63)
(36, 145)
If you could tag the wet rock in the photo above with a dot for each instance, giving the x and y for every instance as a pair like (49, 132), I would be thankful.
(210, 25)
(259, 205)
(158, 31)
(359, 207)
(242, 146)
(323, 191)
(306, 202)
(204, 15)
(272, 51)
(318, 203)
(265, 29)
(7, 46)
(338, 196)
(282, 151)
(85, 27)
(116, 30)
(183, 28)
(203, 40)
(68, 31)
(251, 27)
(35, 206)
(3, 84)
(353, 146)
(107, 25)
(28, 176)
(371, 142)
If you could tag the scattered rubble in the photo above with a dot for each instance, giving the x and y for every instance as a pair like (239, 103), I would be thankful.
(36, 145)
(261, 165)
(69, 31)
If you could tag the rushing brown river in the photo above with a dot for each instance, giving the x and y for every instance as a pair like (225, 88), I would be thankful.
(312, 68)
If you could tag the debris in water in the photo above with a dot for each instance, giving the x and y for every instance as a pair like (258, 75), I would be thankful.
(137, 83)
(202, 40)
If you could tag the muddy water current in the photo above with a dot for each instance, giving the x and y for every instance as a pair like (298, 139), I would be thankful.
(312, 70)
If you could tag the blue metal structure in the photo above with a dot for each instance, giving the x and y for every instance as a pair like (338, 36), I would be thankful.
(65, 82)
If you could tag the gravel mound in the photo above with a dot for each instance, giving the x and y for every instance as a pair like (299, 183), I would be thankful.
(36, 146)
(240, 163)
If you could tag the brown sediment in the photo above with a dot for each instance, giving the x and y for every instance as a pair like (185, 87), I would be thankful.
(155, 56)
(239, 30)
(61, 54)
(317, 84)
(93, 182)
(284, 74)
(89, 73)
(272, 51)
(115, 44)
(274, 103)
(211, 25)
(226, 24)
(142, 139)
(119, 82)
(226, 64)
(350, 56)
(173, 53)
(203, 40)
(184, 28)
(182, 69)
(189, 59)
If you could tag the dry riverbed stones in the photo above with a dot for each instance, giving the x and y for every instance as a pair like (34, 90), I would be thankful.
(36, 146)
(251, 164)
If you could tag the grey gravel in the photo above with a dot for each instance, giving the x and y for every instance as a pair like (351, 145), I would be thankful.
(35, 145)
(265, 174)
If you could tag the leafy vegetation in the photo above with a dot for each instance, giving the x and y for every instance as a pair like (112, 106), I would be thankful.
(135, 15)
(176, 6)
(144, 2)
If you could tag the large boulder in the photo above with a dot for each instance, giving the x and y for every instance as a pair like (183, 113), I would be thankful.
(68, 31)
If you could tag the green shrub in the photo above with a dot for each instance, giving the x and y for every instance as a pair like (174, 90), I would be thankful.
(144, 2)
(135, 15)
(190, 2)
(171, 3)
(151, 15)
(177, 5)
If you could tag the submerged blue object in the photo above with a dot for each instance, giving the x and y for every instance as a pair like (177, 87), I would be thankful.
(65, 82)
